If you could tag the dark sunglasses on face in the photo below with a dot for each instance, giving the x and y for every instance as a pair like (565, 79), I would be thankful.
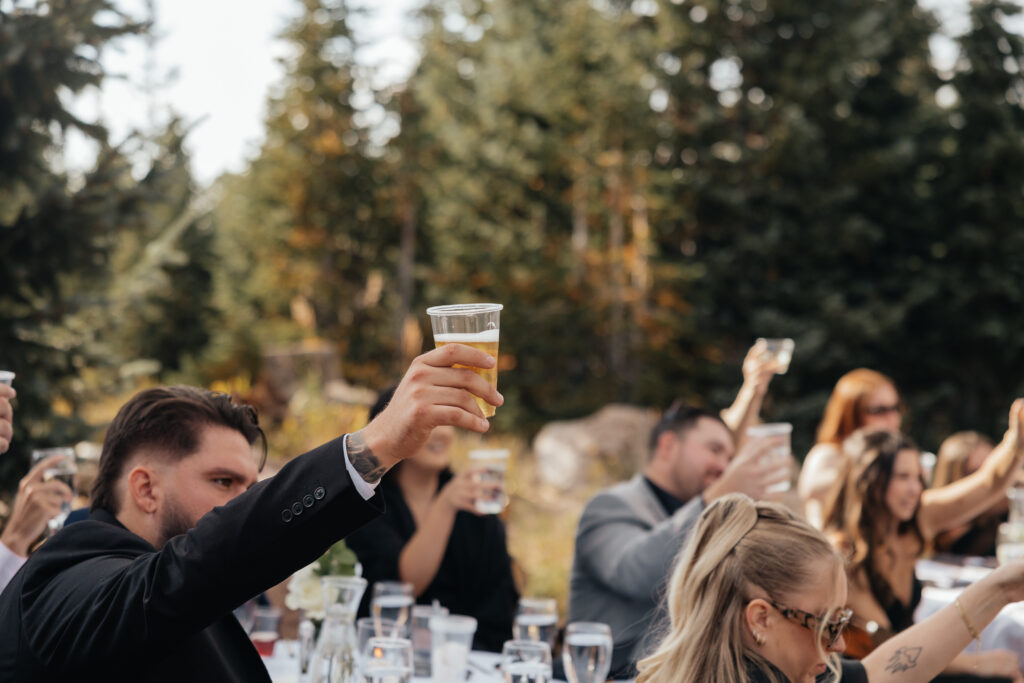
(883, 410)
(831, 630)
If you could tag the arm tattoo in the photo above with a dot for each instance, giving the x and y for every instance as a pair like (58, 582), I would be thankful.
(903, 659)
(363, 459)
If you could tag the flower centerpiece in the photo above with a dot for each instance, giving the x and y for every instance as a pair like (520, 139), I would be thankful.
(304, 588)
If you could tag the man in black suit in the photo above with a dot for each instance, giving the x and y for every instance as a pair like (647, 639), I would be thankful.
(180, 532)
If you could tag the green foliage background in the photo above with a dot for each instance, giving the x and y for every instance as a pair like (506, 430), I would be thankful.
(647, 186)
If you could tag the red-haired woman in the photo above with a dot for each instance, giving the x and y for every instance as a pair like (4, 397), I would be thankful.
(861, 398)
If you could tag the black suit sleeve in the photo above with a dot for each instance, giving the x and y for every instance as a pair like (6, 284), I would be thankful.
(111, 605)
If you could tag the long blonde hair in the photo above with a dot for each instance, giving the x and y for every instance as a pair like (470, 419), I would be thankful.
(737, 547)
(955, 451)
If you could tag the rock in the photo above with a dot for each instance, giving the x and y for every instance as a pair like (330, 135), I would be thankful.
(611, 444)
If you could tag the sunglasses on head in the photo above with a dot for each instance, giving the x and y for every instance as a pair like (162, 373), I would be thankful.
(831, 630)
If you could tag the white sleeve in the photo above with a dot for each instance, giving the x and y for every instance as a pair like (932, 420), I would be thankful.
(365, 489)
(10, 563)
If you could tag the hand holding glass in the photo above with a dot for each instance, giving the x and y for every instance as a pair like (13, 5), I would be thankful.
(475, 325)
(63, 470)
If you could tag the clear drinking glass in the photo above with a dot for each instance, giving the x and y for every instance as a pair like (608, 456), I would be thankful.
(392, 600)
(65, 470)
(781, 455)
(421, 616)
(6, 377)
(587, 652)
(451, 639)
(475, 325)
(370, 627)
(526, 661)
(490, 464)
(536, 619)
(778, 350)
(387, 660)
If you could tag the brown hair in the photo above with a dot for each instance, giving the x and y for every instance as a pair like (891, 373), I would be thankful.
(857, 514)
(167, 419)
(844, 412)
(738, 547)
(951, 462)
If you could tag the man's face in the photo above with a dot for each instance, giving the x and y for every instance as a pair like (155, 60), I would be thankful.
(222, 468)
(701, 454)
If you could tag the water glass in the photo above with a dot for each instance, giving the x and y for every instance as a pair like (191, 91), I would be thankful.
(6, 377)
(421, 616)
(536, 619)
(779, 351)
(64, 470)
(526, 661)
(369, 627)
(1010, 542)
(490, 465)
(451, 639)
(780, 455)
(587, 652)
(387, 660)
(392, 601)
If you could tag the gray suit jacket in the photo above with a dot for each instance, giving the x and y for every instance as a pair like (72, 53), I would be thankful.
(625, 547)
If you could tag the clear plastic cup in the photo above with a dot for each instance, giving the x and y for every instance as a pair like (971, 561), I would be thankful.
(475, 325)
(451, 639)
(781, 455)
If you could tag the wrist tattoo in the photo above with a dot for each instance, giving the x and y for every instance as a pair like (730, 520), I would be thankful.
(903, 659)
(363, 459)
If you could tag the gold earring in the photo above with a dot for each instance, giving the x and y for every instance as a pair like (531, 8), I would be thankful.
(758, 638)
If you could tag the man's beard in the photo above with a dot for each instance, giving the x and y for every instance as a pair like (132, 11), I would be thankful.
(173, 522)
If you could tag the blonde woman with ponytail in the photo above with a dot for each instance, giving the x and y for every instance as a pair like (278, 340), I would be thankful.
(758, 596)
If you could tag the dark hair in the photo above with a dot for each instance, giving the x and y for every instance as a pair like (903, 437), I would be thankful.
(383, 399)
(857, 512)
(680, 418)
(169, 420)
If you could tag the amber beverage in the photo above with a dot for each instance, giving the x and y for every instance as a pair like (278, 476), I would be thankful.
(475, 325)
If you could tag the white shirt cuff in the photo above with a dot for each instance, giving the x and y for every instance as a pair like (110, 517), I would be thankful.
(365, 489)
(10, 563)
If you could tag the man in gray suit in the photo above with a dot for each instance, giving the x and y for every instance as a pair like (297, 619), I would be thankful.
(629, 534)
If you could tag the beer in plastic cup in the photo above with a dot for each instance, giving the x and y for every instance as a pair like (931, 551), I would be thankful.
(474, 325)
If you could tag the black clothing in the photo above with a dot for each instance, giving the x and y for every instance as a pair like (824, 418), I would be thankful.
(852, 672)
(475, 575)
(96, 603)
(901, 616)
(669, 502)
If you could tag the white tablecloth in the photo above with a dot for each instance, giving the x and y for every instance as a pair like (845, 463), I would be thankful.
(1006, 632)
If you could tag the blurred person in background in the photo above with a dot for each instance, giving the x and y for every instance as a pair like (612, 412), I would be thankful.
(962, 454)
(759, 596)
(35, 504)
(629, 534)
(432, 537)
(861, 398)
(882, 519)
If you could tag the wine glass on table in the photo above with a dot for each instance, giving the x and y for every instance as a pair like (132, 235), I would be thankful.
(587, 652)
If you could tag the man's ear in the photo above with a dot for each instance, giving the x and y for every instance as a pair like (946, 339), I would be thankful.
(144, 488)
(666, 442)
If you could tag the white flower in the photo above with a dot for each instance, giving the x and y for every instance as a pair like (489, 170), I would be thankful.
(304, 592)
